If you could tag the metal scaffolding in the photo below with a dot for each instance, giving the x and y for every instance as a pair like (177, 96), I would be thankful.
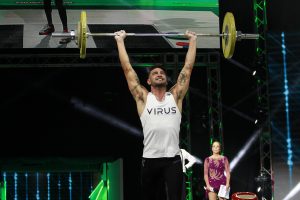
(215, 105)
(266, 171)
(105, 59)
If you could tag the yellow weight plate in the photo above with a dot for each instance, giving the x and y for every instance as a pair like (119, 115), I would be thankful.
(78, 35)
(83, 36)
(229, 37)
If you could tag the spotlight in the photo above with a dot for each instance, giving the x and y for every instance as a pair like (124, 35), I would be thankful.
(293, 192)
(258, 189)
(263, 185)
(255, 122)
(254, 72)
(244, 150)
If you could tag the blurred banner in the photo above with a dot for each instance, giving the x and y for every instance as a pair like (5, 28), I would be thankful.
(153, 4)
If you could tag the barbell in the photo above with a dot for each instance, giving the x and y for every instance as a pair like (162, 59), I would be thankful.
(229, 35)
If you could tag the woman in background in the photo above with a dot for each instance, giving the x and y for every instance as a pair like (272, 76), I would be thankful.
(216, 172)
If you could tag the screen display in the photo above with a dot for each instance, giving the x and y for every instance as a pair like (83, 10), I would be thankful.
(25, 18)
(211, 5)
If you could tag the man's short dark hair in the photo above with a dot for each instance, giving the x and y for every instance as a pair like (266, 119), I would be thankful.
(158, 65)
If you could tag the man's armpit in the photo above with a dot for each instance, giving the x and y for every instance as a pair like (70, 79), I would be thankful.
(182, 78)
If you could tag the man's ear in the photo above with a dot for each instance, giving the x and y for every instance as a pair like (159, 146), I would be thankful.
(148, 81)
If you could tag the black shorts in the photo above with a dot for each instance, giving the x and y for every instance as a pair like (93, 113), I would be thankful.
(161, 178)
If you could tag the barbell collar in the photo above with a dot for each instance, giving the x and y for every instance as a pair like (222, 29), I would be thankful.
(70, 34)
(248, 36)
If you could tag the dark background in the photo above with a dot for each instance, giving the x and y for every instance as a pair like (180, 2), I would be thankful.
(39, 118)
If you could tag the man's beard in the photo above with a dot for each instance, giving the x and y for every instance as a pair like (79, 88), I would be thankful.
(160, 85)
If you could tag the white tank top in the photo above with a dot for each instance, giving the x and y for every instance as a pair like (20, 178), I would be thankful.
(161, 126)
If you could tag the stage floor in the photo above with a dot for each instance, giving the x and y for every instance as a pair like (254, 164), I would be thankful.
(162, 20)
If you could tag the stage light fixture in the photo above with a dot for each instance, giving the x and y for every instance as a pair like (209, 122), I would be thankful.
(258, 189)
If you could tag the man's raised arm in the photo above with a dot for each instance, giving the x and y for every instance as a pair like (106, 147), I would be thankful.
(134, 85)
(180, 88)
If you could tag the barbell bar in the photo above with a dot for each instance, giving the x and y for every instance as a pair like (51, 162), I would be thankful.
(154, 34)
(229, 35)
